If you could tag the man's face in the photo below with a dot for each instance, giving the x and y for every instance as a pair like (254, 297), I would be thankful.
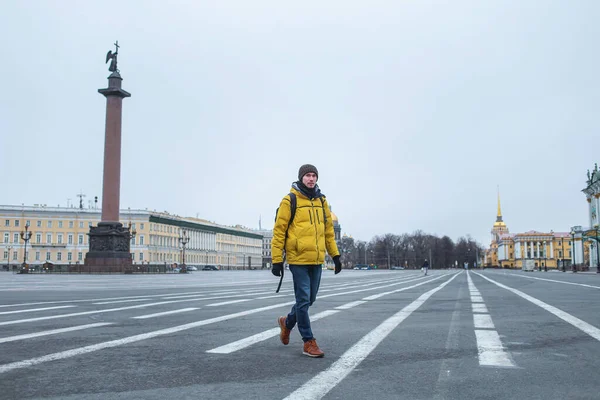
(309, 180)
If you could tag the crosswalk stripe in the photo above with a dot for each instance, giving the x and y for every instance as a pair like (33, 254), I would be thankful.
(52, 332)
(33, 310)
(160, 314)
(491, 351)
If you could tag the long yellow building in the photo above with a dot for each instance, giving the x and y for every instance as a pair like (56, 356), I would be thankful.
(59, 235)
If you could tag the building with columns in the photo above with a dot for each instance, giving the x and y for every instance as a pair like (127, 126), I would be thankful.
(591, 235)
(514, 250)
(60, 236)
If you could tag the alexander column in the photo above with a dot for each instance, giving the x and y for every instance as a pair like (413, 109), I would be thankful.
(110, 240)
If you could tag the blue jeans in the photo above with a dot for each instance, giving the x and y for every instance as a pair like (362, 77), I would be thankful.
(306, 285)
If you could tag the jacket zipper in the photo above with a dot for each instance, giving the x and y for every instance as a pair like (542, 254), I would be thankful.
(316, 232)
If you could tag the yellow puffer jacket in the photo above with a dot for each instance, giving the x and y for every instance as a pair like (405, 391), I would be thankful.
(308, 236)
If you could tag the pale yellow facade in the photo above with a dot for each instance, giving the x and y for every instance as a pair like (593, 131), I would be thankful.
(59, 235)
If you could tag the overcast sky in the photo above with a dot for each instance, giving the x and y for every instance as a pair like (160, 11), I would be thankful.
(413, 111)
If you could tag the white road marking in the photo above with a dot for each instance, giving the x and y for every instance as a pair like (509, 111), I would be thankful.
(20, 321)
(477, 299)
(350, 305)
(479, 308)
(131, 339)
(378, 295)
(160, 314)
(491, 352)
(223, 303)
(489, 346)
(33, 310)
(122, 301)
(576, 322)
(556, 281)
(52, 332)
(321, 384)
(262, 336)
(483, 321)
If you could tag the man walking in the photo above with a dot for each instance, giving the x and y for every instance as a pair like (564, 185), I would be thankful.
(304, 230)
(425, 266)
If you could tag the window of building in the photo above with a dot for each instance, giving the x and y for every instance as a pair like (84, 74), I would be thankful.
(5, 255)
(15, 255)
(89, 224)
(133, 241)
(49, 238)
(141, 256)
(133, 256)
(7, 222)
(80, 239)
(39, 224)
(60, 224)
(59, 256)
(70, 239)
(81, 224)
(38, 238)
(141, 240)
(80, 256)
(16, 222)
(28, 223)
(60, 238)
(37, 256)
(48, 255)
(6, 236)
(49, 224)
(69, 256)
(133, 226)
(70, 224)
(16, 238)
(141, 226)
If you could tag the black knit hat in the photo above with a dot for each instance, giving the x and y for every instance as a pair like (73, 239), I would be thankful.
(305, 169)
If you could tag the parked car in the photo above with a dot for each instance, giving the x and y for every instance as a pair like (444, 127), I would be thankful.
(397, 267)
(191, 268)
(209, 268)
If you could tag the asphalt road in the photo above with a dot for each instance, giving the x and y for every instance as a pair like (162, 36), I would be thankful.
(489, 334)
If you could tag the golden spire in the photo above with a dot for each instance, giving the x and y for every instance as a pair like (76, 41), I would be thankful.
(499, 221)
(499, 210)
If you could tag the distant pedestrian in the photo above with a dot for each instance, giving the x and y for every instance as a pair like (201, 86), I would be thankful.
(304, 241)
(425, 266)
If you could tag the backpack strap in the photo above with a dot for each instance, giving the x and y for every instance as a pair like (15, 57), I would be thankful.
(293, 202)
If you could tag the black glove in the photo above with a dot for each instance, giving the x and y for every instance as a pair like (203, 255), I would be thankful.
(277, 269)
(338, 264)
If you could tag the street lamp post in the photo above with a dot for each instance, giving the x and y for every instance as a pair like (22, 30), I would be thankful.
(597, 250)
(545, 258)
(562, 242)
(26, 236)
(183, 240)
(574, 266)
(8, 249)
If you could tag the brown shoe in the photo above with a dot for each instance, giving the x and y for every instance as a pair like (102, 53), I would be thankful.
(311, 349)
(284, 334)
